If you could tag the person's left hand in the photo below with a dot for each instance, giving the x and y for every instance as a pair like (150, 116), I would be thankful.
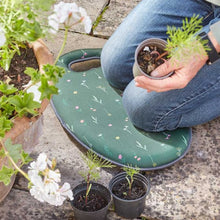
(183, 74)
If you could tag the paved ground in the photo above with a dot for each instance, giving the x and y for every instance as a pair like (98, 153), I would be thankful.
(189, 190)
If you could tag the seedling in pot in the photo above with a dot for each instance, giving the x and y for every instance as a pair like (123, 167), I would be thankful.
(184, 42)
(181, 45)
(130, 171)
(94, 163)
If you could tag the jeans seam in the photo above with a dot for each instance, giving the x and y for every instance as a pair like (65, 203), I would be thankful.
(185, 102)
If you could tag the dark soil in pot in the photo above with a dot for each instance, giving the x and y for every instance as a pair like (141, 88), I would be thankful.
(95, 201)
(99, 199)
(15, 75)
(121, 190)
(150, 57)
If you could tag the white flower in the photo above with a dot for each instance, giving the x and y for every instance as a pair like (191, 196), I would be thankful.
(38, 189)
(54, 175)
(65, 190)
(45, 187)
(53, 23)
(65, 10)
(50, 187)
(60, 195)
(68, 14)
(2, 38)
(86, 20)
(40, 164)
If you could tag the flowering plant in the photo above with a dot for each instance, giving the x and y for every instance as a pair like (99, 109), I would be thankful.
(22, 23)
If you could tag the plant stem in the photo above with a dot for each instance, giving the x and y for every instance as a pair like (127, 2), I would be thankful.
(87, 188)
(161, 55)
(63, 45)
(12, 161)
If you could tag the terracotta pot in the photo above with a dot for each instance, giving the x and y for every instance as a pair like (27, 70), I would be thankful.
(137, 71)
(26, 131)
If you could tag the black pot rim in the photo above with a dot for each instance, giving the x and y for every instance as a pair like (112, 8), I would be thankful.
(97, 184)
(123, 174)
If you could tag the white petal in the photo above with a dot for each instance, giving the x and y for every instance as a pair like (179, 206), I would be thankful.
(66, 191)
(54, 175)
(2, 38)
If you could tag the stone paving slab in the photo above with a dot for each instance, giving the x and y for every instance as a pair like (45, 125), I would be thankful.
(74, 41)
(187, 190)
(114, 15)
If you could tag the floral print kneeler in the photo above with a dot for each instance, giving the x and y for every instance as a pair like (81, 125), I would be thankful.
(91, 111)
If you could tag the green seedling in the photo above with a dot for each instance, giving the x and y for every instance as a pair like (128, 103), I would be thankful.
(94, 163)
(184, 42)
(130, 172)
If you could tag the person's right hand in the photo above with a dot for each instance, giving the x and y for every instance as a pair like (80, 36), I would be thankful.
(183, 74)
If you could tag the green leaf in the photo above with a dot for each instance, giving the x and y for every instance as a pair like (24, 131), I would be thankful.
(33, 31)
(24, 104)
(46, 89)
(7, 89)
(2, 153)
(33, 73)
(53, 72)
(14, 150)
(5, 175)
(5, 125)
(6, 108)
(25, 158)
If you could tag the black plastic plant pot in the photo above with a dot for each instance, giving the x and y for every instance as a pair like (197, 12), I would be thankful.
(159, 43)
(129, 208)
(91, 215)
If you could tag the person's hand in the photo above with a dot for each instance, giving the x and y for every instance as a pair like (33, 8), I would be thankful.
(183, 74)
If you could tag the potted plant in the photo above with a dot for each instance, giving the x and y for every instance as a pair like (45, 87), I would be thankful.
(180, 45)
(129, 190)
(91, 199)
(22, 24)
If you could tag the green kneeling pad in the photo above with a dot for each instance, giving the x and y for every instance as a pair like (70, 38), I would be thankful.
(91, 111)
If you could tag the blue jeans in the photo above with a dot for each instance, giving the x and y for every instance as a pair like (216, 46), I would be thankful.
(197, 103)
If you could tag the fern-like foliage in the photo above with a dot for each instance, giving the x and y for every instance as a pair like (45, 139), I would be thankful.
(183, 42)
(94, 163)
(130, 172)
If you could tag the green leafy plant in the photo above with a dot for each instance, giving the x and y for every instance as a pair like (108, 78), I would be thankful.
(94, 163)
(43, 177)
(17, 158)
(130, 172)
(184, 42)
(22, 23)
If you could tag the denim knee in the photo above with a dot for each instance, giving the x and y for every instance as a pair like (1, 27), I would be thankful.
(115, 66)
(149, 111)
(134, 104)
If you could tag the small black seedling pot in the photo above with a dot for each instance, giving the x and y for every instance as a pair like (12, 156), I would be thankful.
(91, 215)
(129, 208)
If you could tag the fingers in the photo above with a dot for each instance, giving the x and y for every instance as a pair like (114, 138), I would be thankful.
(176, 81)
(164, 69)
